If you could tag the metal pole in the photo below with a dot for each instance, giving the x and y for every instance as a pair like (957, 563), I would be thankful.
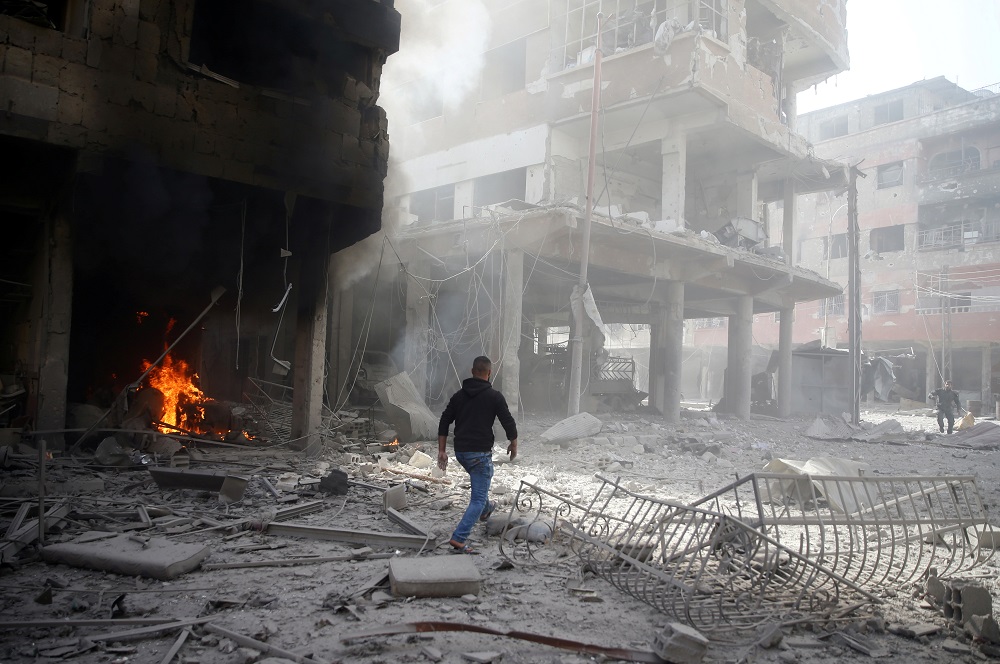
(854, 286)
(945, 325)
(41, 491)
(576, 357)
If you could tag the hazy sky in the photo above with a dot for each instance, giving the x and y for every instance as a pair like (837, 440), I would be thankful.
(897, 42)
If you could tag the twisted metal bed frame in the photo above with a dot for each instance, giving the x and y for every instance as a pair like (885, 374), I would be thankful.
(767, 548)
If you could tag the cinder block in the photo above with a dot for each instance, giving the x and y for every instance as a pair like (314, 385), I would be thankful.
(129, 7)
(68, 135)
(680, 644)
(17, 62)
(146, 66)
(70, 109)
(45, 70)
(95, 50)
(148, 9)
(435, 576)
(31, 99)
(149, 37)
(48, 42)
(74, 50)
(165, 103)
(22, 34)
(75, 78)
(102, 23)
(120, 60)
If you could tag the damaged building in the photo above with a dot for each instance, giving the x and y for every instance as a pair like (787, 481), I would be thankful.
(697, 136)
(156, 153)
(929, 219)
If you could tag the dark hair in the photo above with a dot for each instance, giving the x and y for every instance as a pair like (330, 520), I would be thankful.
(481, 364)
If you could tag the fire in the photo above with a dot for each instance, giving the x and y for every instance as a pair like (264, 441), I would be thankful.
(182, 398)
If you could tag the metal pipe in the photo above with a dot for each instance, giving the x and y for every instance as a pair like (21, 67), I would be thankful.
(576, 357)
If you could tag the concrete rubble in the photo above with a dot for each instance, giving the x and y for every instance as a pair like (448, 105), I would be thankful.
(367, 554)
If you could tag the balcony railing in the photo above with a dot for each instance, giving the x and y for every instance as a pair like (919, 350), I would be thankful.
(962, 234)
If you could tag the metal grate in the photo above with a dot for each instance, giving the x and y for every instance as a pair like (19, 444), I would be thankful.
(768, 548)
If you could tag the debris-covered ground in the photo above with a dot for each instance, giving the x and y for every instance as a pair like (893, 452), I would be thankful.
(291, 570)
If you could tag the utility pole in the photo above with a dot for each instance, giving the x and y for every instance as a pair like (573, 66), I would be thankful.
(945, 325)
(576, 357)
(854, 286)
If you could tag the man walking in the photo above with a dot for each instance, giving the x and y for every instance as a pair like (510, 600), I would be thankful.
(473, 410)
(946, 399)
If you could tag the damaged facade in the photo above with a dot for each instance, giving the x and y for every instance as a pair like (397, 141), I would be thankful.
(697, 135)
(929, 218)
(153, 151)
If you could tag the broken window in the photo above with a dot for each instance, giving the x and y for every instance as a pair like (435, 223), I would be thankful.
(833, 128)
(500, 187)
(504, 70)
(832, 306)
(436, 204)
(835, 246)
(889, 238)
(53, 14)
(628, 24)
(889, 112)
(885, 302)
(889, 175)
(948, 164)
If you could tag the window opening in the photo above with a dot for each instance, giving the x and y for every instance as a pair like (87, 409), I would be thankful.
(956, 162)
(885, 302)
(436, 204)
(833, 128)
(889, 175)
(890, 112)
(504, 70)
(885, 239)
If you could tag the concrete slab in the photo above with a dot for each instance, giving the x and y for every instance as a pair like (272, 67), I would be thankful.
(435, 576)
(154, 558)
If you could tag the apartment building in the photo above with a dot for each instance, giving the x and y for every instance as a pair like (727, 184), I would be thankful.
(696, 133)
(152, 151)
(929, 219)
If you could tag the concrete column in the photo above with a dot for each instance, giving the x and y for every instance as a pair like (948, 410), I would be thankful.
(788, 222)
(930, 375)
(987, 378)
(673, 350)
(310, 350)
(340, 378)
(657, 359)
(417, 324)
(674, 151)
(56, 293)
(746, 195)
(510, 329)
(739, 353)
(785, 361)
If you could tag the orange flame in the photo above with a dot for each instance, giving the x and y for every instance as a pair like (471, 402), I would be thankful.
(182, 398)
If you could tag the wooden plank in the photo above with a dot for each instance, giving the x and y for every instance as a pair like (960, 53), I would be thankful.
(174, 649)
(153, 630)
(247, 642)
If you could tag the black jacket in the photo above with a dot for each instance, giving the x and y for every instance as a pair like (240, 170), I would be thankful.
(473, 410)
(946, 399)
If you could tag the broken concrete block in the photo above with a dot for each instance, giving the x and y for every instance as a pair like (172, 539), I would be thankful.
(983, 628)
(394, 498)
(230, 487)
(482, 657)
(680, 644)
(439, 576)
(406, 408)
(334, 482)
(770, 636)
(989, 537)
(154, 558)
(420, 460)
(580, 425)
(110, 453)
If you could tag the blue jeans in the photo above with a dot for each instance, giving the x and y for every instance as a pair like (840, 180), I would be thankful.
(479, 465)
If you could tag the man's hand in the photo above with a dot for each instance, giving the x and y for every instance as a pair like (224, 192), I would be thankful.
(512, 449)
(443, 460)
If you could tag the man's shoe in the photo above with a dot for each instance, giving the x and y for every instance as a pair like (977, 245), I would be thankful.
(490, 506)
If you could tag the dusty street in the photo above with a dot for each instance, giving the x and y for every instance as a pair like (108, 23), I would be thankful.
(307, 609)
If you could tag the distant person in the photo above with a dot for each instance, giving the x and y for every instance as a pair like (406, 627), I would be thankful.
(947, 399)
(473, 409)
